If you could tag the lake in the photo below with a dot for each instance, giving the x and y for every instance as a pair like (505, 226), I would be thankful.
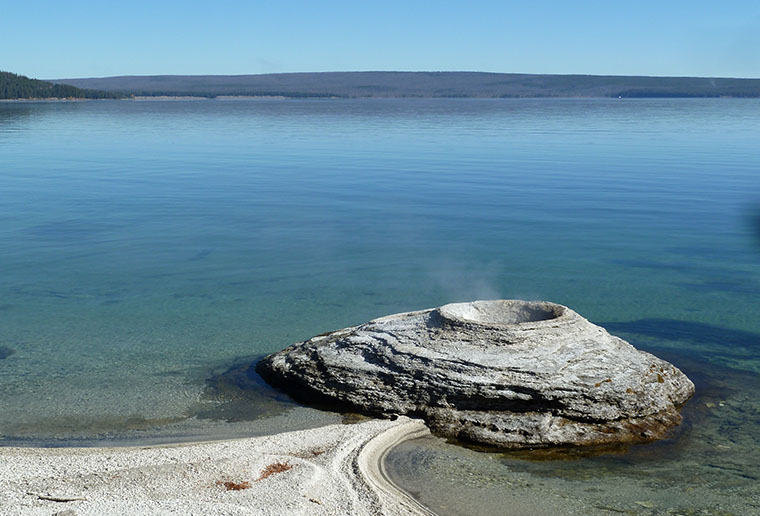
(152, 250)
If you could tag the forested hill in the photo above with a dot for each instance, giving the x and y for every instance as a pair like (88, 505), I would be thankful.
(422, 84)
(14, 86)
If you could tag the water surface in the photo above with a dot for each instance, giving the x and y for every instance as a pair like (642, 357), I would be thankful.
(148, 247)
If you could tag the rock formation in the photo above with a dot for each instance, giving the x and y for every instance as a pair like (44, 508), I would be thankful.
(505, 373)
(5, 352)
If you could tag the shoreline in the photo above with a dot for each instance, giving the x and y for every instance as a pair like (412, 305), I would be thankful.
(223, 98)
(336, 469)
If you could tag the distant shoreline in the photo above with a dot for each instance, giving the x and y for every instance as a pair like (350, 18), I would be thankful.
(417, 85)
(359, 85)
(223, 98)
(51, 99)
(192, 97)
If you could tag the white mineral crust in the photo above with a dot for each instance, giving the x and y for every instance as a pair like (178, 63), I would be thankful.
(506, 373)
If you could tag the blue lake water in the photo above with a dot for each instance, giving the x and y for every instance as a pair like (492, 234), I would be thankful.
(148, 247)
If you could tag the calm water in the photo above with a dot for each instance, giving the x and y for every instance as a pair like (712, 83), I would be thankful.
(148, 247)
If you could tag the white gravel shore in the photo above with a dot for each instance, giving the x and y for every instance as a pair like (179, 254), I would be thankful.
(333, 470)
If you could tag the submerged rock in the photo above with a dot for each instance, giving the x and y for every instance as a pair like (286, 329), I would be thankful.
(505, 373)
(5, 352)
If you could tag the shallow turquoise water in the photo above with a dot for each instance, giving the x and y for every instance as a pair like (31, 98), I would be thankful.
(149, 246)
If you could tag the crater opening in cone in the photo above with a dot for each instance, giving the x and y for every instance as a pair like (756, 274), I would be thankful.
(501, 312)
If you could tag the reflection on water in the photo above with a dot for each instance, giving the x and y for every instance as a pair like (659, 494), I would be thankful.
(13, 115)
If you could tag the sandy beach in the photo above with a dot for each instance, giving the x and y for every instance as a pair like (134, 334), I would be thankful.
(331, 470)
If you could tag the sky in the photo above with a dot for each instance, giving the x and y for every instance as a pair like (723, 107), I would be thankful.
(52, 39)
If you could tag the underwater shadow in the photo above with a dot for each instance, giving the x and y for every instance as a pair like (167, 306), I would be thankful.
(754, 224)
(699, 333)
(239, 393)
(700, 277)
(738, 286)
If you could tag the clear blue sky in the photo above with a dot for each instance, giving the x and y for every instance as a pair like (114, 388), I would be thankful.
(53, 39)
